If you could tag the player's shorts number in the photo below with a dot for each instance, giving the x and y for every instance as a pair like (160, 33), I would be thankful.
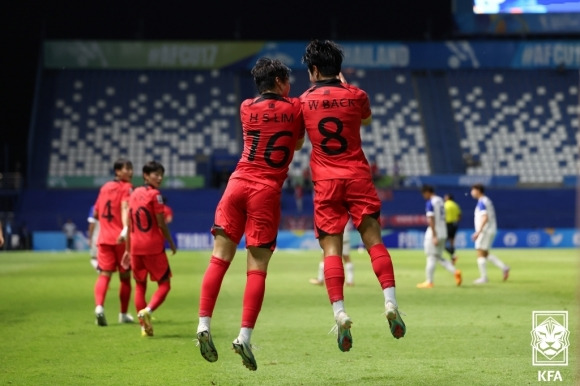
(332, 136)
(270, 148)
(143, 219)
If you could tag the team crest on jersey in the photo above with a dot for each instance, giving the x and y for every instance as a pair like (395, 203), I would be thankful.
(550, 338)
(160, 199)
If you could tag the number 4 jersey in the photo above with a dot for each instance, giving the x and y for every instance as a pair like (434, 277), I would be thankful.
(333, 112)
(146, 236)
(272, 125)
(108, 210)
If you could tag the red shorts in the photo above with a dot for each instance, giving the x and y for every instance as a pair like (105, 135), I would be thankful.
(335, 199)
(109, 257)
(157, 266)
(252, 208)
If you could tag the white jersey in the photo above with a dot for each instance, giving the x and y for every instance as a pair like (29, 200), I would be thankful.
(92, 220)
(435, 207)
(485, 207)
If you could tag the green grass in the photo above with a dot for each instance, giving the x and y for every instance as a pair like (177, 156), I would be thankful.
(455, 336)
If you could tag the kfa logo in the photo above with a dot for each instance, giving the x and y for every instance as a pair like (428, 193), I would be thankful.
(549, 375)
(550, 338)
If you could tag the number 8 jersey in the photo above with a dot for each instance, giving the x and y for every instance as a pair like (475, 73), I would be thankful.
(272, 125)
(333, 112)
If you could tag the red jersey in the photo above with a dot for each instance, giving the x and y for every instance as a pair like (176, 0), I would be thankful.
(271, 126)
(333, 112)
(108, 210)
(146, 236)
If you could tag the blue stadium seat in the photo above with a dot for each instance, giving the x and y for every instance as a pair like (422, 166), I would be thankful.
(518, 122)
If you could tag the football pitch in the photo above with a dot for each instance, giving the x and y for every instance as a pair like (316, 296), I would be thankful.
(476, 335)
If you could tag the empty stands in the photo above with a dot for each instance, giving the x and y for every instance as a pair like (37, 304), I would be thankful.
(520, 123)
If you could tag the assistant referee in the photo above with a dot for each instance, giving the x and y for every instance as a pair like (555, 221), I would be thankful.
(452, 217)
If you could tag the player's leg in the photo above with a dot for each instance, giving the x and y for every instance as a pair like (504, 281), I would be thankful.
(257, 268)
(500, 264)
(222, 255)
(450, 242)
(364, 208)
(482, 246)
(496, 261)
(330, 219)
(228, 229)
(382, 264)
(107, 263)
(448, 265)
(140, 275)
(334, 277)
(125, 285)
(157, 267)
(263, 213)
(431, 261)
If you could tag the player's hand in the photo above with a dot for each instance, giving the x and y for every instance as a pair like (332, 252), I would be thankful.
(126, 260)
(435, 240)
(173, 248)
(475, 236)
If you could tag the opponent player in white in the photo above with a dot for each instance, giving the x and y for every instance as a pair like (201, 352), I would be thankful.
(93, 236)
(348, 264)
(485, 230)
(435, 237)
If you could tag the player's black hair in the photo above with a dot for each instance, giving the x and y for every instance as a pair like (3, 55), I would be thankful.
(153, 166)
(121, 163)
(479, 187)
(326, 55)
(449, 195)
(427, 188)
(265, 72)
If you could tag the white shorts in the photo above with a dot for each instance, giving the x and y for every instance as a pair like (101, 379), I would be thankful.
(431, 249)
(484, 241)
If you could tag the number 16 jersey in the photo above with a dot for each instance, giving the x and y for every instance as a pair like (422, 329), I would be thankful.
(333, 112)
(272, 125)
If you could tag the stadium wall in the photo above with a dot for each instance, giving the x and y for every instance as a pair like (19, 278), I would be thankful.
(406, 239)
(47, 210)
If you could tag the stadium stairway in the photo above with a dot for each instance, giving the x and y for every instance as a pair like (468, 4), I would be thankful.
(440, 129)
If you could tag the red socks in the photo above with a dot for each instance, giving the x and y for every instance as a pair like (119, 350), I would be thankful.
(160, 295)
(253, 297)
(211, 284)
(101, 287)
(334, 278)
(125, 294)
(140, 290)
(382, 265)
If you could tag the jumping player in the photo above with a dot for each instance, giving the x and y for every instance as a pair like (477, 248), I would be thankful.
(273, 128)
(334, 112)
